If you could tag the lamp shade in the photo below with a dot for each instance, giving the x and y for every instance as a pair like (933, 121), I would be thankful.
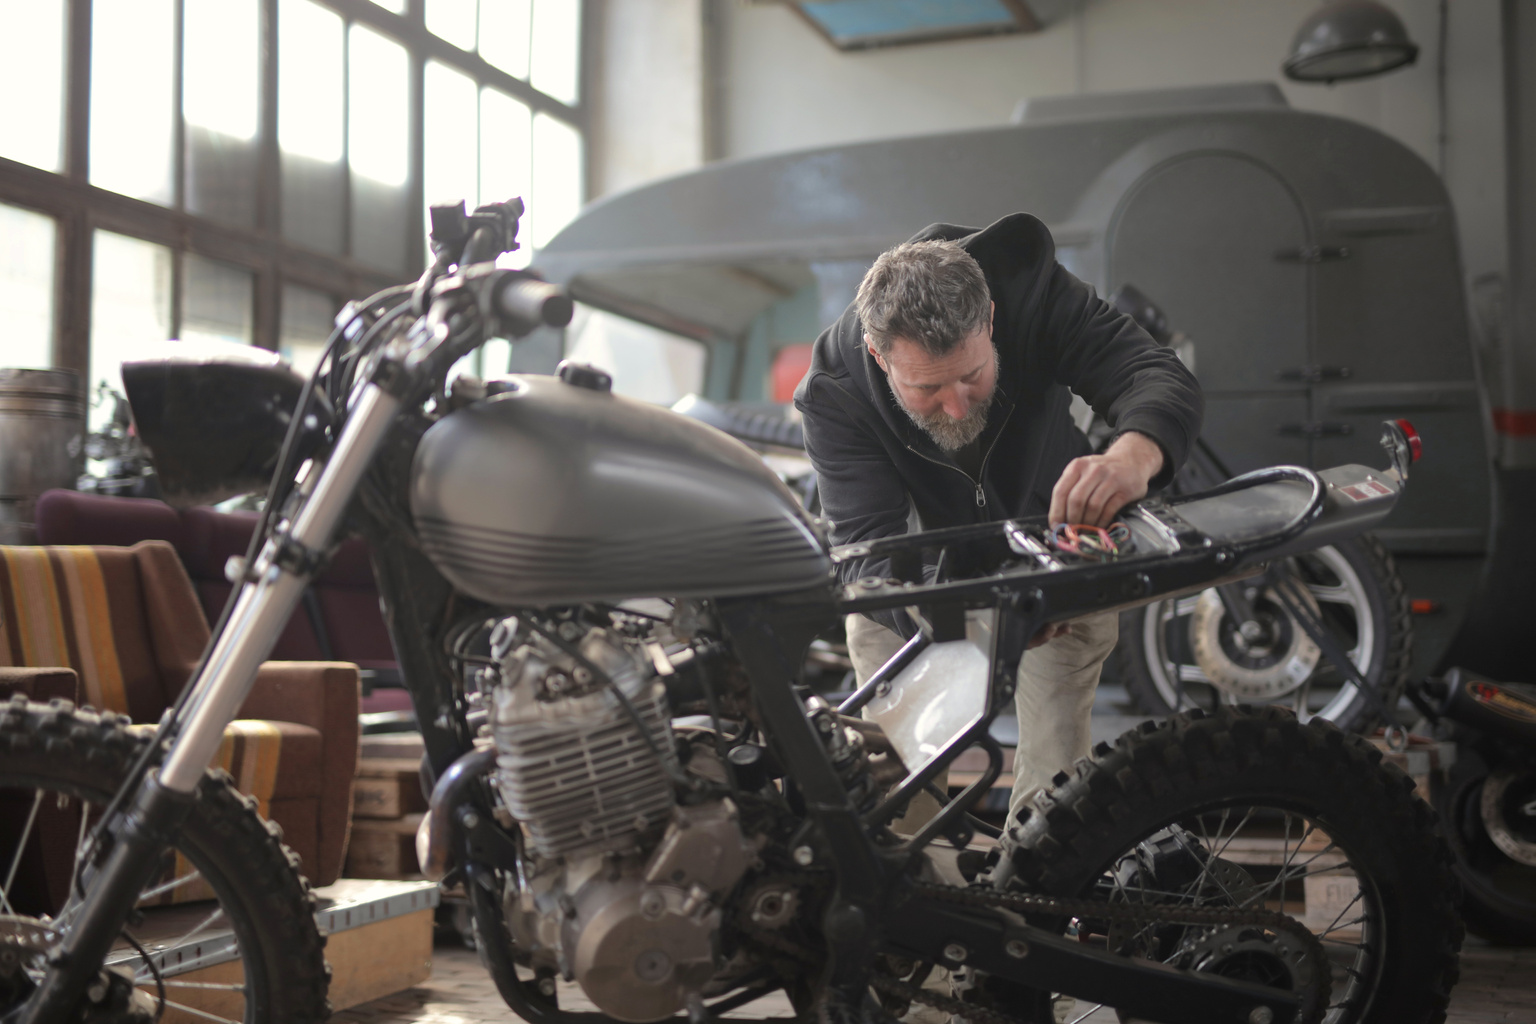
(1349, 39)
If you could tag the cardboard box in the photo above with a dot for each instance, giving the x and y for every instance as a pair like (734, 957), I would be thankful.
(383, 848)
(387, 788)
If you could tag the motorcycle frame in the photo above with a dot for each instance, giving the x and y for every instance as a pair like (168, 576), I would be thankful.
(868, 913)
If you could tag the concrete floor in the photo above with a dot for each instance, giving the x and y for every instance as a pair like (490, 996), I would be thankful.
(1498, 986)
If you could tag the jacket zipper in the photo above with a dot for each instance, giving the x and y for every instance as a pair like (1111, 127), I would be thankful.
(981, 497)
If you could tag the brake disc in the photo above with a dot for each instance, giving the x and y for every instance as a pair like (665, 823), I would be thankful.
(1509, 814)
(1261, 661)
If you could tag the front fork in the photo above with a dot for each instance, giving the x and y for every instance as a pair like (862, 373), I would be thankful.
(276, 582)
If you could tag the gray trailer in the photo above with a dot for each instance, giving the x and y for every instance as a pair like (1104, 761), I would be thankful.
(1311, 261)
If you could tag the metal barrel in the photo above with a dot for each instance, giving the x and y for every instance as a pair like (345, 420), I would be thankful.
(42, 436)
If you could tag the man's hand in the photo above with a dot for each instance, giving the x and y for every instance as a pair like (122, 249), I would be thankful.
(1095, 487)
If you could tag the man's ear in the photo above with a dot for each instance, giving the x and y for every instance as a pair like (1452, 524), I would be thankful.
(871, 346)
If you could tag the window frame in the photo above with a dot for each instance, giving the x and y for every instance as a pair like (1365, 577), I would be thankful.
(80, 208)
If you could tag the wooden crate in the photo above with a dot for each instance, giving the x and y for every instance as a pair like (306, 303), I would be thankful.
(383, 848)
(387, 788)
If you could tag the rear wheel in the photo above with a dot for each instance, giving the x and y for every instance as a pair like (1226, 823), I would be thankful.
(229, 925)
(1186, 652)
(1490, 822)
(1248, 808)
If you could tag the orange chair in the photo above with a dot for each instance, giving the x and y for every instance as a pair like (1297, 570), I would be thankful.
(128, 623)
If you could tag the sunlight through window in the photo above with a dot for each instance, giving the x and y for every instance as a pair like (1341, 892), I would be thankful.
(377, 138)
(311, 97)
(32, 65)
(133, 63)
(221, 79)
(27, 242)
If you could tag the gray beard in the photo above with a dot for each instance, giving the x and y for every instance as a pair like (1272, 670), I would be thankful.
(951, 434)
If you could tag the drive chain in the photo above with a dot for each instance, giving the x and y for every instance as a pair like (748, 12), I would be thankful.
(1132, 914)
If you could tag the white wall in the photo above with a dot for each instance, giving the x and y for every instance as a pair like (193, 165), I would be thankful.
(648, 91)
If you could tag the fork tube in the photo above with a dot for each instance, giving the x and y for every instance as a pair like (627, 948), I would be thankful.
(265, 606)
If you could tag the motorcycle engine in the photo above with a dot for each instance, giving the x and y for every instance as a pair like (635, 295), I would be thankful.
(621, 885)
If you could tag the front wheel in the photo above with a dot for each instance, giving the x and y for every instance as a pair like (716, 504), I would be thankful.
(228, 926)
(1186, 652)
(1250, 809)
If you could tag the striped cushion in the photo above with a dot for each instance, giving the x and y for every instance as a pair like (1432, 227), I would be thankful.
(54, 611)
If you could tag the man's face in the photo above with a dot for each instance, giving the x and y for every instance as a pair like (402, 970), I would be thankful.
(947, 396)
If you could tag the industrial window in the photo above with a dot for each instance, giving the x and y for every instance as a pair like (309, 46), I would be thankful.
(233, 168)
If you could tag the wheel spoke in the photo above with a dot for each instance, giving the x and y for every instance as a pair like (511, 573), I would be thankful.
(174, 883)
(21, 845)
(1185, 606)
(169, 1005)
(1331, 594)
(1193, 674)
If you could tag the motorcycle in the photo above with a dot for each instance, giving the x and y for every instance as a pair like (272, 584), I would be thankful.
(1487, 798)
(600, 609)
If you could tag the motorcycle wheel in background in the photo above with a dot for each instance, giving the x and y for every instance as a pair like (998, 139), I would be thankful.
(1186, 652)
(1248, 808)
(256, 955)
(1489, 813)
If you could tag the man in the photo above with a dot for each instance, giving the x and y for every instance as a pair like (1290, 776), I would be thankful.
(940, 398)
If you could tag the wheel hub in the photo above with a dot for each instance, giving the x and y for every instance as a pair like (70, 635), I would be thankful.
(24, 943)
(1261, 660)
(1509, 814)
(1261, 957)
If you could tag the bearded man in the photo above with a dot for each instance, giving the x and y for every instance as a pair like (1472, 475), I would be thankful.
(940, 398)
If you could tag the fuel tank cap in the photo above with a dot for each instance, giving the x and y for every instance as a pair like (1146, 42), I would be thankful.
(584, 375)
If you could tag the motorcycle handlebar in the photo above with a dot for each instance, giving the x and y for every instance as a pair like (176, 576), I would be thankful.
(535, 302)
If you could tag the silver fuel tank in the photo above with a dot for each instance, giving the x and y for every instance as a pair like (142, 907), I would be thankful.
(552, 493)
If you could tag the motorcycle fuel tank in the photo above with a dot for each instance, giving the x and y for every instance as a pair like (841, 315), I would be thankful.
(551, 493)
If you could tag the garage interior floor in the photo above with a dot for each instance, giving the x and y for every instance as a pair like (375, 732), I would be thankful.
(1498, 984)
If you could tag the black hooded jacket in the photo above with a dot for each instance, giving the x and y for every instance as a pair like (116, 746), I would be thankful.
(1052, 334)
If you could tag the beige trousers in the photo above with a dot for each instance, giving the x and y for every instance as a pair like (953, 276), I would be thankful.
(1053, 696)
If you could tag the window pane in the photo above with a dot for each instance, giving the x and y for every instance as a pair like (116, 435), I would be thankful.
(505, 127)
(220, 83)
(216, 303)
(130, 307)
(452, 128)
(27, 242)
(310, 118)
(133, 60)
(556, 48)
(219, 95)
(377, 136)
(557, 178)
(377, 141)
(453, 21)
(32, 65)
(504, 28)
(306, 326)
(646, 363)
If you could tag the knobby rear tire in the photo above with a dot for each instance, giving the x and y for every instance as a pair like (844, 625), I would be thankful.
(84, 754)
(1168, 772)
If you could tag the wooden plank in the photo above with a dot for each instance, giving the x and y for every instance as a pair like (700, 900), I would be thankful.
(377, 959)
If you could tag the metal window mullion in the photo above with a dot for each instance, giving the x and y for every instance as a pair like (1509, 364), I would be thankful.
(346, 138)
(415, 186)
(179, 119)
(266, 293)
(72, 277)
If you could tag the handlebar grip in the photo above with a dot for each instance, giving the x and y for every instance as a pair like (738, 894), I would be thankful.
(535, 302)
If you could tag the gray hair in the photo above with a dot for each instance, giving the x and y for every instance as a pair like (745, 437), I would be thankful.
(930, 293)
